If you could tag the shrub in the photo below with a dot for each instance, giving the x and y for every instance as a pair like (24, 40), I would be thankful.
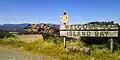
(5, 34)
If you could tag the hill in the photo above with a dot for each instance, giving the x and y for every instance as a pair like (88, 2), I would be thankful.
(13, 27)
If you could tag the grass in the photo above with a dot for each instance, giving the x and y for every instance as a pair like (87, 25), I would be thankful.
(48, 47)
(29, 37)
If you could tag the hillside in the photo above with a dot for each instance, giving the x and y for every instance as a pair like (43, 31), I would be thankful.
(20, 27)
(13, 27)
(43, 28)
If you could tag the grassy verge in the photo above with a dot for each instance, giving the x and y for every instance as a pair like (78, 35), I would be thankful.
(56, 49)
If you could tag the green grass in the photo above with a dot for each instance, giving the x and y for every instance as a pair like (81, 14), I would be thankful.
(48, 47)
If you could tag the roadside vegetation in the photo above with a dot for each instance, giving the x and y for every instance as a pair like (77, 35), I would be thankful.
(53, 46)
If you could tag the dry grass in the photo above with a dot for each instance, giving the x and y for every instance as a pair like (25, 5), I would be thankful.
(29, 38)
(50, 48)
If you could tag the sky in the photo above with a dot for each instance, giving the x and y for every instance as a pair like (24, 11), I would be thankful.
(49, 11)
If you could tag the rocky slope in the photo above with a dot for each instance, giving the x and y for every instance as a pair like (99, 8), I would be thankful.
(43, 28)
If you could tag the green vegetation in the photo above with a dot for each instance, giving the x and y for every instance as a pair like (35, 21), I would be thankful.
(5, 34)
(50, 47)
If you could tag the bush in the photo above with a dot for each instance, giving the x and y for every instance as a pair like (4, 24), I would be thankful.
(5, 34)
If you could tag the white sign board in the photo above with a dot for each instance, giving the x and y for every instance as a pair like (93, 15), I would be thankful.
(78, 34)
(77, 31)
(88, 27)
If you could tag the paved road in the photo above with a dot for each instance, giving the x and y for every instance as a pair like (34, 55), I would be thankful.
(12, 54)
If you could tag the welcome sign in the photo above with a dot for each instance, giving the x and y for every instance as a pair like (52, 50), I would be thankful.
(88, 30)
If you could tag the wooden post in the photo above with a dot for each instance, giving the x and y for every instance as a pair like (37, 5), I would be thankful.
(64, 39)
(111, 44)
(64, 42)
(64, 20)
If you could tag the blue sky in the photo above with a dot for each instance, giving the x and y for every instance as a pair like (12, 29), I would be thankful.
(49, 11)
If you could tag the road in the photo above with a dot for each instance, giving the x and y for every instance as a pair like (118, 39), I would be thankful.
(14, 54)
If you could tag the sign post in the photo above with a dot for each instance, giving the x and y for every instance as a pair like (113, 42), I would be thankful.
(82, 30)
(111, 44)
(64, 20)
(64, 42)
(87, 30)
(90, 30)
